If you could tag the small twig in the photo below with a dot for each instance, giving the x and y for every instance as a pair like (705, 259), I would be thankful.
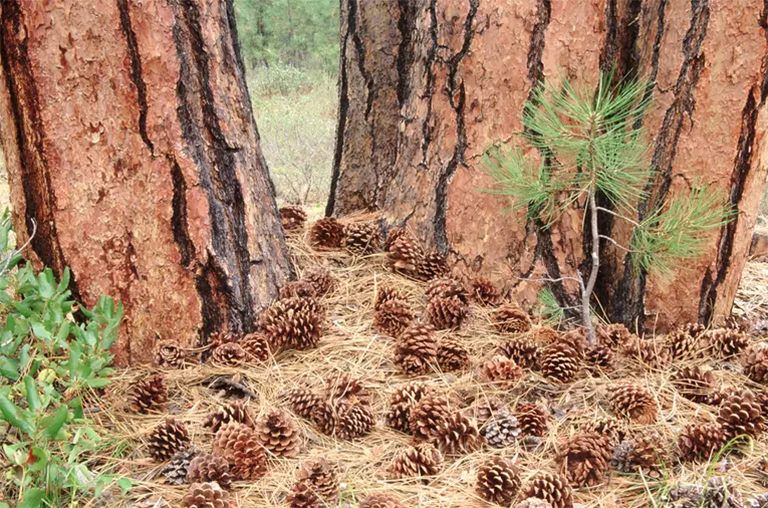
(617, 244)
(547, 279)
(20, 249)
(619, 216)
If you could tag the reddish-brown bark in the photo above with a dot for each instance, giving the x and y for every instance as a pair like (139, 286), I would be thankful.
(429, 85)
(130, 140)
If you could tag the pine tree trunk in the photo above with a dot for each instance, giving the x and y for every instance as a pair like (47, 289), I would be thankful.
(427, 86)
(131, 142)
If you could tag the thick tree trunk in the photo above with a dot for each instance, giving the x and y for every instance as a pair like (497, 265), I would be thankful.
(427, 86)
(130, 140)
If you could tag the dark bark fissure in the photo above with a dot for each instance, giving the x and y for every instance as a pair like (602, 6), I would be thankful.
(429, 90)
(629, 305)
(216, 161)
(357, 41)
(136, 71)
(179, 223)
(454, 88)
(406, 25)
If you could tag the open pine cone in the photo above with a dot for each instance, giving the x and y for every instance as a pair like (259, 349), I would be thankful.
(278, 433)
(302, 401)
(405, 254)
(546, 335)
(167, 438)
(327, 233)
(552, 488)
(298, 289)
(209, 467)
(634, 402)
(638, 454)
(294, 323)
(700, 441)
(510, 318)
(501, 430)
(381, 501)
(614, 430)
(147, 394)
(694, 382)
(498, 481)
(392, 317)
(416, 350)
(457, 434)
(585, 458)
(386, 294)
(651, 352)
(599, 356)
(363, 238)
(532, 418)
(446, 313)
(206, 495)
(522, 350)
(613, 335)
(420, 460)
(452, 355)
(341, 387)
(402, 400)
(168, 353)
(726, 342)
(428, 414)
(502, 371)
(483, 408)
(447, 287)
(175, 472)
(353, 420)
(684, 345)
(485, 292)
(230, 354)
(292, 217)
(320, 277)
(560, 362)
(741, 415)
(756, 363)
(395, 234)
(240, 445)
(232, 412)
(256, 347)
(317, 485)
(220, 337)
(432, 265)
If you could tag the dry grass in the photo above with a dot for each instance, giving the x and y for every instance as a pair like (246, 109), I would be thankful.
(350, 344)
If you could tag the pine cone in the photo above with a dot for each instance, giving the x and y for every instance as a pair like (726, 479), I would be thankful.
(552, 488)
(484, 408)
(302, 401)
(546, 335)
(327, 233)
(169, 354)
(720, 395)
(446, 313)
(230, 354)
(522, 350)
(756, 363)
(353, 421)
(363, 239)
(209, 467)
(317, 485)
(510, 318)
(533, 502)
(386, 294)
(741, 415)
(726, 342)
(206, 495)
(401, 402)
(654, 353)
(452, 355)
(719, 494)
(381, 501)
(447, 287)
(175, 472)
(644, 455)
(485, 292)
(694, 383)
(293, 217)
(167, 438)
(220, 415)
(533, 419)
(501, 371)
(502, 430)
(498, 481)
(613, 335)
(321, 278)
(405, 255)
(634, 402)
(341, 387)
(416, 350)
(294, 323)
(457, 434)
(560, 362)
(614, 430)
(147, 394)
(419, 460)
(240, 445)
(278, 433)
(428, 414)
(221, 337)
(298, 289)
(392, 317)
(694, 329)
(432, 265)
(683, 345)
(395, 234)
(599, 357)
(256, 347)
(585, 459)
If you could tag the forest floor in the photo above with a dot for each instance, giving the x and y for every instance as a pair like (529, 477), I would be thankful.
(351, 344)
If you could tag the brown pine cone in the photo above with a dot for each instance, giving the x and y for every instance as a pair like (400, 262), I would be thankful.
(233, 412)
(168, 438)
(278, 433)
(498, 481)
(302, 401)
(395, 234)
(532, 418)
(502, 371)
(175, 472)
(428, 414)
(363, 238)
(341, 387)
(546, 335)
(522, 350)
(533, 502)
(419, 460)
(416, 350)
(614, 430)
(552, 488)
(644, 455)
(720, 395)
(613, 335)
(756, 363)
(634, 402)
(240, 445)
(321, 278)
(209, 467)
(401, 402)
(457, 434)
(405, 255)
(206, 495)
(386, 294)
(694, 382)
(294, 323)
(585, 458)
(317, 485)
(741, 415)
(327, 233)
(381, 501)
(700, 441)
(432, 265)
(484, 408)
(324, 416)
(485, 292)
(599, 357)
(452, 355)
(726, 342)
(256, 347)
(298, 289)
(446, 313)
(392, 317)
(684, 345)
(230, 354)
(147, 394)
(292, 217)
(694, 329)
(353, 420)
(651, 352)
(220, 337)
(560, 362)
(447, 287)
(510, 318)
(169, 354)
